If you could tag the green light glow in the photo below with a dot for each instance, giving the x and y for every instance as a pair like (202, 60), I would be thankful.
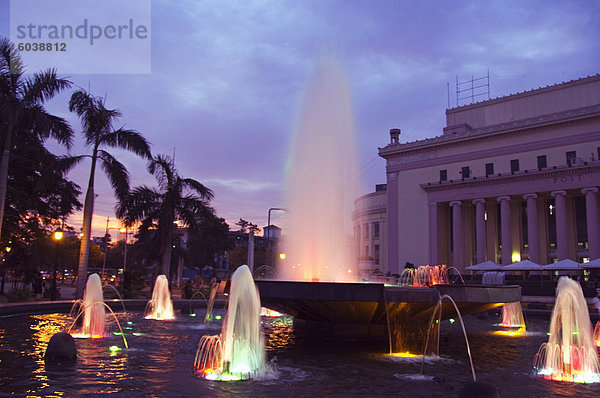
(118, 334)
(139, 334)
(192, 315)
(126, 327)
(218, 317)
(451, 320)
(129, 323)
(114, 348)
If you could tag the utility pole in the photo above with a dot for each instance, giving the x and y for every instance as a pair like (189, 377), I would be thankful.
(105, 248)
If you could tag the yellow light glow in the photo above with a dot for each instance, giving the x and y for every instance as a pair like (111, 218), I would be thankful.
(58, 234)
(282, 256)
(122, 230)
(404, 355)
(510, 333)
(516, 257)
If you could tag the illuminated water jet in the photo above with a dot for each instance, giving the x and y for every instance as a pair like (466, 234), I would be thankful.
(512, 316)
(160, 306)
(323, 181)
(92, 308)
(570, 353)
(425, 275)
(239, 351)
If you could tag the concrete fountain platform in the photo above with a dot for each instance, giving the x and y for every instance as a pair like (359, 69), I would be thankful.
(363, 309)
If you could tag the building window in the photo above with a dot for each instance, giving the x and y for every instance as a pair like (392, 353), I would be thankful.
(514, 165)
(542, 163)
(366, 231)
(489, 169)
(571, 156)
(443, 175)
(376, 230)
(376, 254)
(466, 173)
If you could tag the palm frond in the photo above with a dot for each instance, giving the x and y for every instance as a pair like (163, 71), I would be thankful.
(142, 202)
(46, 125)
(65, 163)
(11, 63)
(130, 140)
(43, 86)
(201, 189)
(116, 173)
(162, 168)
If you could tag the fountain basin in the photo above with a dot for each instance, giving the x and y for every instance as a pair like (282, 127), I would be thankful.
(358, 310)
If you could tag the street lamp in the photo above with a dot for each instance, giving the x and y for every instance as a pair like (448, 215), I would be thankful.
(57, 236)
(270, 233)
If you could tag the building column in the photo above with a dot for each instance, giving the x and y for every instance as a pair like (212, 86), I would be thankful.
(480, 229)
(433, 234)
(392, 222)
(533, 234)
(593, 226)
(562, 232)
(457, 247)
(506, 231)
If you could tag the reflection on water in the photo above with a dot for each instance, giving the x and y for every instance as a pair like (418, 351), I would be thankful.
(161, 355)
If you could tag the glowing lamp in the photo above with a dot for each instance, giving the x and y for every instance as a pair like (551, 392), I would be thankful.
(58, 234)
(516, 257)
(282, 256)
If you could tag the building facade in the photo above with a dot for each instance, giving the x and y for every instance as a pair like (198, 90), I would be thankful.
(370, 231)
(511, 178)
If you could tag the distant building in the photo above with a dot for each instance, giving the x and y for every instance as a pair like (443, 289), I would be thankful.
(511, 178)
(272, 232)
(370, 230)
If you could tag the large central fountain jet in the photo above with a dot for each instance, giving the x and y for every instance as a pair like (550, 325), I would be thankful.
(323, 181)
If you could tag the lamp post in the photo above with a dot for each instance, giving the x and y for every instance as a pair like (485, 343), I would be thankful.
(7, 249)
(124, 231)
(57, 236)
(269, 229)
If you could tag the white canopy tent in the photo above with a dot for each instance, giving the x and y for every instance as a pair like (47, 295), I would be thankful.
(524, 265)
(592, 264)
(562, 265)
(485, 266)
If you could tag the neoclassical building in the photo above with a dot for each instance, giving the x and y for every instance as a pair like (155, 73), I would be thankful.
(511, 178)
(370, 230)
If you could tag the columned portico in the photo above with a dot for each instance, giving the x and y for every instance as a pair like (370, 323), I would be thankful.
(392, 209)
(593, 223)
(457, 233)
(480, 231)
(562, 232)
(533, 235)
(433, 233)
(506, 230)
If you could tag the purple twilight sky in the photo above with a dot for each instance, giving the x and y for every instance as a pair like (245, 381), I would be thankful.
(228, 79)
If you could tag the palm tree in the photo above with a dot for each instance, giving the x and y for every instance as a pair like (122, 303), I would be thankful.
(97, 123)
(177, 198)
(22, 108)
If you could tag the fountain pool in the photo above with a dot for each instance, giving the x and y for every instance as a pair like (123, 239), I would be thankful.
(161, 355)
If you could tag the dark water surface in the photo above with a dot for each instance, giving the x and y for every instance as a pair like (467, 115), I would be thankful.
(161, 355)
